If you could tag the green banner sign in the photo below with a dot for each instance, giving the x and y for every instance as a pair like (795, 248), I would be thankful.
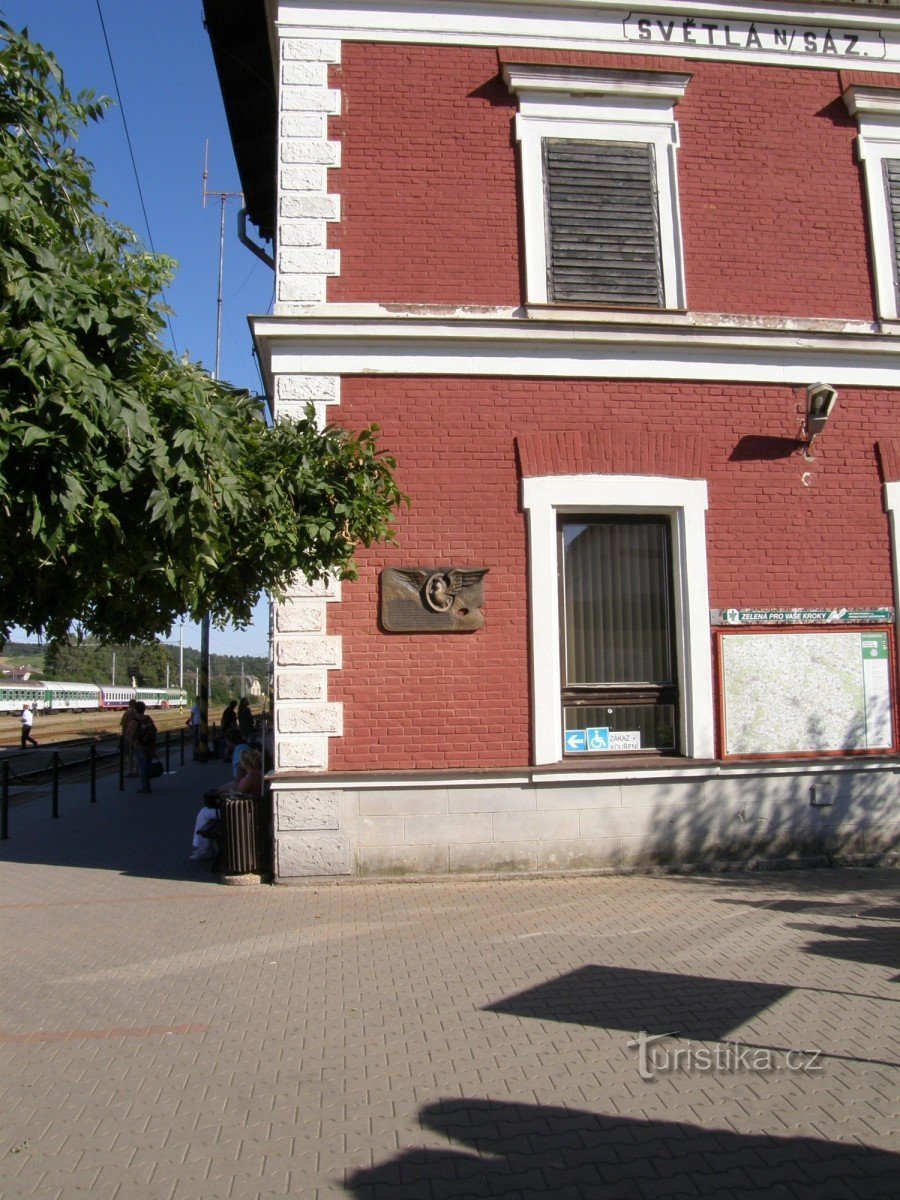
(802, 616)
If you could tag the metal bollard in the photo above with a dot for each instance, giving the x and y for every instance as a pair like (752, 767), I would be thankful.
(93, 757)
(4, 800)
(55, 791)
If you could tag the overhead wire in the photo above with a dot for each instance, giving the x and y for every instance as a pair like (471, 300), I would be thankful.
(137, 178)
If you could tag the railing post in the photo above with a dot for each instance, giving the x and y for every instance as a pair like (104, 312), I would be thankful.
(93, 756)
(122, 764)
(55, 791)
(4, 801)
(167, 751)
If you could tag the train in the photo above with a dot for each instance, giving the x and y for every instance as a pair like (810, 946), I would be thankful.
(49, 696)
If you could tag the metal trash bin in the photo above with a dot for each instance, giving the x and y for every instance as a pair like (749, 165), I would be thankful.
(241, 836)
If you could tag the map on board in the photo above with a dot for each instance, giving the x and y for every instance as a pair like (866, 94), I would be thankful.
(805, 692)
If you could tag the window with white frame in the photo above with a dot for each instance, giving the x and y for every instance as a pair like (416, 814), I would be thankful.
(877, 111)
(599, 185)
(619, 675)
(620, 634)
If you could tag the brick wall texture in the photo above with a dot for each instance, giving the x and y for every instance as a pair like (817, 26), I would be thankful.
(782, 531)
(773, 219)
(771, 199)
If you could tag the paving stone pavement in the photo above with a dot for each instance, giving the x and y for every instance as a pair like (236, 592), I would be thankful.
(162, 1036)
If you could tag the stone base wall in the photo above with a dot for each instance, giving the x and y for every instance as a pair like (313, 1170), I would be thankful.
(421, 827)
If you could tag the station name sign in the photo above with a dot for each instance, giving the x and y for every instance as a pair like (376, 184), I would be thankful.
(760, 37)
(802, 616)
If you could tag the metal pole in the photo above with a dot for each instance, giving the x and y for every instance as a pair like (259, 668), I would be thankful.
(203, 679)
(55, 791)
(203, 691)
(4, 811)
(181, 658)
(223, 198)
(167, 751)
(182, 745)
(93, 757)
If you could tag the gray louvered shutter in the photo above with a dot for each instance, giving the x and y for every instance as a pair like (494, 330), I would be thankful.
(892, 183)
(602, 223)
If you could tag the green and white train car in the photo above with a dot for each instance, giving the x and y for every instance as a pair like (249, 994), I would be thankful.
(48, 696)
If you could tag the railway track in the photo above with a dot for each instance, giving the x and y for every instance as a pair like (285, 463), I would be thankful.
(53, 728)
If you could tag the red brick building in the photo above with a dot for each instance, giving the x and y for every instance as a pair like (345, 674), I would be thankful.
(621, 290)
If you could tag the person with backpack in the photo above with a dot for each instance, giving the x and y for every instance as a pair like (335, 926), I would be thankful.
(144, 745)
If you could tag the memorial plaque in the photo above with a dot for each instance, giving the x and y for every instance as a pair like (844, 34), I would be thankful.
(432, 599)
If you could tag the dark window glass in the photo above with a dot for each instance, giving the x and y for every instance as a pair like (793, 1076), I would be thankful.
(619, 672)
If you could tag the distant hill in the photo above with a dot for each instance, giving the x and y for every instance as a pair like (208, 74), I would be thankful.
(221, 664)
(23, 654)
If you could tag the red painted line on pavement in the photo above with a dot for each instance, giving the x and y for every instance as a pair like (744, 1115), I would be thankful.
(220, 893)
(74, 1035)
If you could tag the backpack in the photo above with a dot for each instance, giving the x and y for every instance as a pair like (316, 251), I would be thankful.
(147, 732)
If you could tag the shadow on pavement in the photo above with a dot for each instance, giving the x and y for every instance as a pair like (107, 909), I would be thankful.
(520, 1150)
(877, 943)
(654, 1001)
(126, 832)
(871, 933)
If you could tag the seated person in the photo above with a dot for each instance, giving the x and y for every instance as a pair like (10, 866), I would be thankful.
(249, 783)
(235, 745)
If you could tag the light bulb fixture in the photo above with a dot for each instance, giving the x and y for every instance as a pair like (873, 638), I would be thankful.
(820, 401)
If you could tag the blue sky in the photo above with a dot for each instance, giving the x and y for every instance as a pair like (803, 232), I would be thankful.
(172, 105)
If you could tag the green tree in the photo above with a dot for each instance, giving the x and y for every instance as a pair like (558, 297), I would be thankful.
(133, 487)
(91, 661)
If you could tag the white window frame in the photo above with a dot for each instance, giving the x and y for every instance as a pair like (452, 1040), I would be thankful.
(597, 106)
(892, 508)
(877, 112)
(685, 502)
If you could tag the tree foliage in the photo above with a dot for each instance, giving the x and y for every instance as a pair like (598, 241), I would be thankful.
(91, 661)
(133, 487)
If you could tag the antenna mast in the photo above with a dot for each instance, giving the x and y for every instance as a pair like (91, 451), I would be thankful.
(203, 673)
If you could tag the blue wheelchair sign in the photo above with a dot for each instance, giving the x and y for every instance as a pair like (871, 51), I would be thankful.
(598, 738)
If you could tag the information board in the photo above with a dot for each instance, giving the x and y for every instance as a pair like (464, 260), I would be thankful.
(806, 692)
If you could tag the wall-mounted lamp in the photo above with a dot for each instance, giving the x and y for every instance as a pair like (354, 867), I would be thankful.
(820, 401)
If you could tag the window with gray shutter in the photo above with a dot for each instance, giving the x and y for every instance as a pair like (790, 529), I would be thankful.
(602, 223)
(892, 184)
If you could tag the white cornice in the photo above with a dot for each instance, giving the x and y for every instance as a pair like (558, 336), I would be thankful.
(866, 102)
(583, 81)
(591, 25)
(511, 343)
(669, 769)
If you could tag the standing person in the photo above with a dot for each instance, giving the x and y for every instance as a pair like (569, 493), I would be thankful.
(129, 726)
(194, 722)
(229, 722)
(245, 719)
(229, 717)
(27, 722)
(144, 745)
